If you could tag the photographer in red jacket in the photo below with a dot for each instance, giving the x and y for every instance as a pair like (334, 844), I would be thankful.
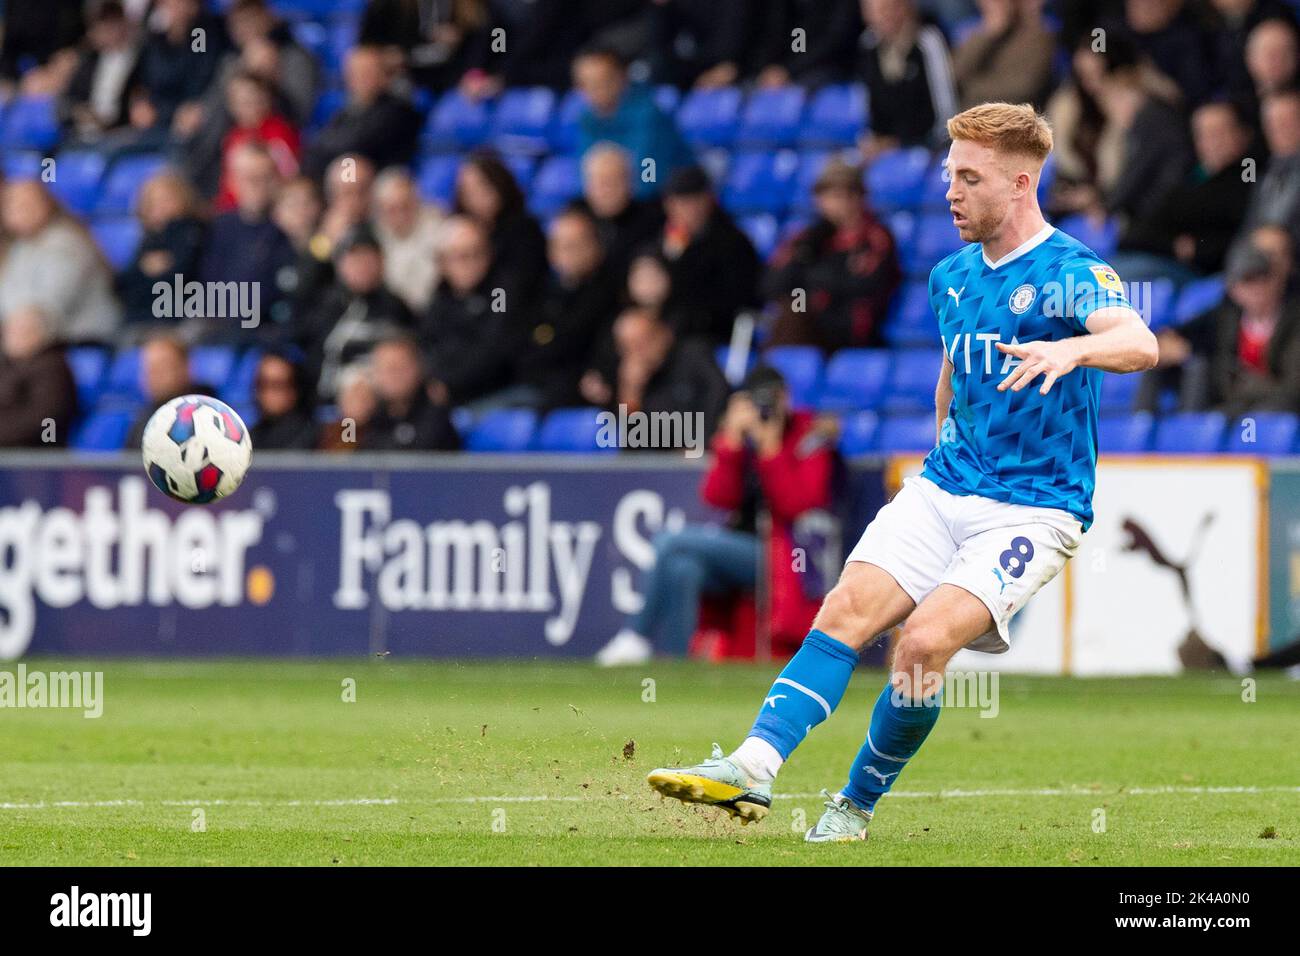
(766, 458)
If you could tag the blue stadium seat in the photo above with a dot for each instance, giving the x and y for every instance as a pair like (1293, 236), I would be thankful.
(897, 178)
(1263, 433)
(457, 123)
(317, 9)
(912, 381)
(722, 355)
(123, 381)
(30, 122)
(522, 120)
(564, 132)
(239, 384)
(213, 365)
(936, 237)
(836, 115)
(507, 429)
(902, 226)
(1102, 238)
(1124, 432)
(1190, 432)
(77, 177)
(1047, 179)
(118, 238)
(462, 419)
(436, 178)
(911, 321)
(855, 379)
(571, 430)
(934, 189)
(771, 117)
(668, 98)
(1154, 298)
(103, 431)
(763, 232)
(802, 367)
(1118, 392)
(122, 183)
(522, 167)
(88, 366)
(327, 104)
(760, 182)
(1198, 297)
(899, 433)
(22, 165)
(858, 433)
(557, 182)
(805, 175)
(710, 117)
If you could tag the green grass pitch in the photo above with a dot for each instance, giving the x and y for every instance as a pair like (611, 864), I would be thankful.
(525, 763)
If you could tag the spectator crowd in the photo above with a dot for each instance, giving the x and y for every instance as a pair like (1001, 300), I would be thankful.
(414, 261)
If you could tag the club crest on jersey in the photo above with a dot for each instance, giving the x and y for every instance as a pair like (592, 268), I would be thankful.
(1022, 298)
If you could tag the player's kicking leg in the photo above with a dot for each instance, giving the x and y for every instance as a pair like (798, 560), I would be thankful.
(865, 602)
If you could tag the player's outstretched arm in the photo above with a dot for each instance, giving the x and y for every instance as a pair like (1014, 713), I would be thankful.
(942, 397)
(1117, 341)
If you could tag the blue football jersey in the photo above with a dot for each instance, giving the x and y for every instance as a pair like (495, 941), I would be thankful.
(1020, 447)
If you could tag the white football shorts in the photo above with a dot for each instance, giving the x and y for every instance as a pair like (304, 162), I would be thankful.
(1001, 553)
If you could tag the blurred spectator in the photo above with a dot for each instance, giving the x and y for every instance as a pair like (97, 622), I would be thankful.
(34, 30)
(1168, 33)
(164, 375)
(96, 99)
(1189, 232)
(658, 372)
(626, 115)
(177, 65)
(38, 396)
(1275, 242)
(349, 197)
(245, 244)
(374, 123)
(625, 223)
(436, 42)
(1256, 49)
(843, 267)
(353, 314)
(487, 192)
(408, 229)
(52, 262)
(650, 286)
(250, 103)
(283, 396)
(826, 55)
(544, 36)
(468, 331)
(356, 407)
(171, 243)
(765, 459)
(574, 316)
(714, 266)
(1276, 198)
(297, 211)
(905, 65)
(700, 43)
(405, 418)
(1008, 58)
(1245, 354)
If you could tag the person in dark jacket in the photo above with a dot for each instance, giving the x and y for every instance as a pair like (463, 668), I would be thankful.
(171, 242)
(830, 31)
(173, 72)
(374, 122)
(487, 191)
(407, 418)
(36, 30)
(625, 223)
(714, 265)
(96, 99)
(283, 395)
(38, 396)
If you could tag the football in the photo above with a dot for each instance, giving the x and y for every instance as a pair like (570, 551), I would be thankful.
(196, 449)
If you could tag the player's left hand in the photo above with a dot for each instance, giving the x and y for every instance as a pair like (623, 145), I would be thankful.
(1049, 359)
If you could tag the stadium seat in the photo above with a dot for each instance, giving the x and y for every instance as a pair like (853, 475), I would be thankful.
(213, 365)
(1118, 392)
(22, 165)
(896, 179)
(564, 132)
(1197, 298)
(710, 117)
(1154, 298)
(763, 232)
(900, 433)
(934, 188)
(457, 123)
(858, 433)
(911, 321)
(239, 384)
(123, 182)
(805, 176)
(1124, 432)
(935, 238)
(801, 365)
(771, 117)
(103, 431)
(668, 98)
(855, 379)
(902, 226)
(1190, 432)
(571, 430)
(88, 367)
(504, 430)
(522, 167)
(1263, 433)
(30, 122)
(558, 181)
(327, 104)
(1101, 238)
(522, 120)
(912, 380)
(760, 182)
(77, 177)
(118, 237)
(722, 355)
(123, 381)
(836, 115)
(436, 178)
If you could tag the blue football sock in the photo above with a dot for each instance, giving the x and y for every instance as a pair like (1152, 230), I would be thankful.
(898, 728)
(807, 691)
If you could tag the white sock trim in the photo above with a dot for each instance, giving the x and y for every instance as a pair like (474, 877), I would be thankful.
(758, 758)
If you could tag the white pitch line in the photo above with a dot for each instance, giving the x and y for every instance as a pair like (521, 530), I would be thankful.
(394, 801)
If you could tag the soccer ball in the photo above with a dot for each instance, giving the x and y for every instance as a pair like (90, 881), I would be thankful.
(196, 449)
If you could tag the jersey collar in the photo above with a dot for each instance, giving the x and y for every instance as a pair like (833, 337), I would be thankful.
(1035, 240)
